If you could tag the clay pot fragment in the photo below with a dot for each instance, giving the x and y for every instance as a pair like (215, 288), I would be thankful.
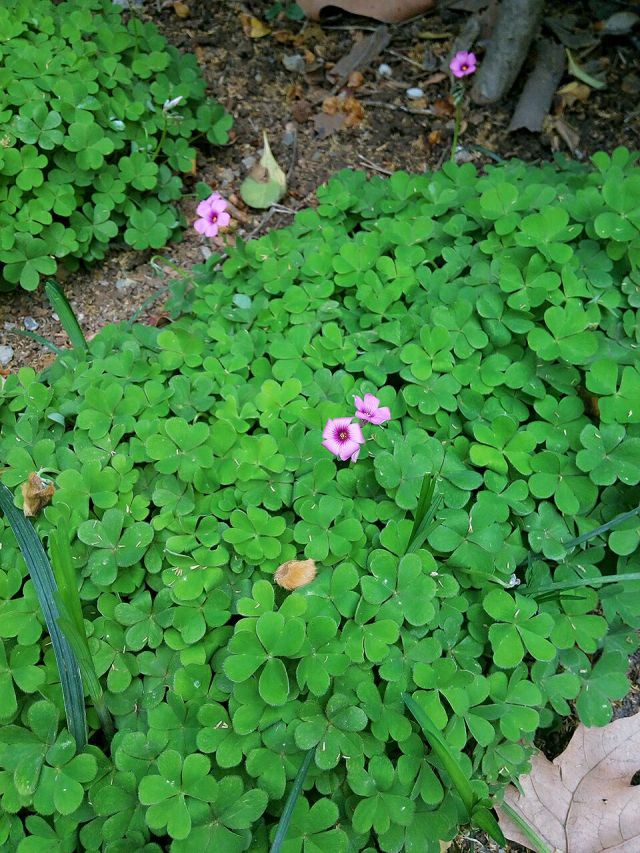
(387, 11)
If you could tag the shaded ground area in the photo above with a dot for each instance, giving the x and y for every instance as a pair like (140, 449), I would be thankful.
(282, 82)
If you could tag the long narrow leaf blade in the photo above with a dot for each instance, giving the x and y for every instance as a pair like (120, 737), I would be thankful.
(34, 336)
(442, 749)
(45, 587)
(533, 839)
(591, 534)
(290, 805)
(68, 319)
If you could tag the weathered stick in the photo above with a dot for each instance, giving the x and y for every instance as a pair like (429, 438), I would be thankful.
(540, 87)
(516, 26)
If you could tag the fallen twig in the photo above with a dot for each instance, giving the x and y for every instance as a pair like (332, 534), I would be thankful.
(385, 106)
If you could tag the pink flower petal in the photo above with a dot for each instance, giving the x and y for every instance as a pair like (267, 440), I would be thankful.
(354, 456)
(217, 206)
(332, 446)
(381, 415)
(355, 433)
(223, 219)
(370, 402)
(203, 209)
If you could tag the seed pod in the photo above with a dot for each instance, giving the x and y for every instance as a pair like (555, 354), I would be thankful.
(295, 573)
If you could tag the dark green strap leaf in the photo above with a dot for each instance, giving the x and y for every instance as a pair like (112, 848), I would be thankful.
(46, 590)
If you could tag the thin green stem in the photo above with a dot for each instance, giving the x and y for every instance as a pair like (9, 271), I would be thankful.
(456, 131)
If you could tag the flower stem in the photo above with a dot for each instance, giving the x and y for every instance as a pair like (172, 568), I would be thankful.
(456, 130)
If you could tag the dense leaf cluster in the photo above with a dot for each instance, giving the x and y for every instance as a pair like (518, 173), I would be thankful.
(497, 317)
(87, 151)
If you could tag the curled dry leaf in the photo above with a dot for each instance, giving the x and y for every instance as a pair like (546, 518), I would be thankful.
(295, 573)
(351, 108)
(37, 493)
(583, 801)
(254, 28)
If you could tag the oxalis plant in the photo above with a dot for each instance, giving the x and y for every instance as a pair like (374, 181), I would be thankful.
(98, 118)
(476, 566)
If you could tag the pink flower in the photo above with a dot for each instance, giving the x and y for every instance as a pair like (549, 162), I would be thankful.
(463, 64)
(213, 215)
(370, 410)
(343, 438)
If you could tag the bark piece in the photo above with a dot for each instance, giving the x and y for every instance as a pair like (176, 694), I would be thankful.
(517, 24)
(380, 10)
(361, 54)
(540, 87)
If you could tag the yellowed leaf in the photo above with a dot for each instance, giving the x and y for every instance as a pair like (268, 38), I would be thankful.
(583, 801)
(433, 36)
(254, 28)
(181, 9)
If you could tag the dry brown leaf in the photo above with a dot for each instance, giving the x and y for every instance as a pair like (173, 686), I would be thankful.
(254, 28)
(572, 92)
(181, 9)
(37, 493)
(350, 108)
(326, 124)
(583, 801)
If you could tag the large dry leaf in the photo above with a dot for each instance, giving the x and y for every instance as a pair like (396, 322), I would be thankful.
(583, 801)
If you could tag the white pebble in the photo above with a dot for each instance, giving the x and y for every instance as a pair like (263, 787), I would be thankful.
(30, 324)
(6, 354)
(384, 70)
(415, 93)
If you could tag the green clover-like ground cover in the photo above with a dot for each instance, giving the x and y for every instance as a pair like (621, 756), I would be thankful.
(497, 317)
(88, 147)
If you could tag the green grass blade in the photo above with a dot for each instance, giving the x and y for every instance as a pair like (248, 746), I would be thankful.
(533, 839)
(68, 319)
(484, 819)
(65, 576)
(290, 805)
(443, 751)
(34, 336)
(143, 307)
(585, 537)
(71, 622)
(551, 588)
(45, 586)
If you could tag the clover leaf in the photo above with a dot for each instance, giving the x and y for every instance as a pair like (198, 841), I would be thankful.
(517, 628)
(174, 792)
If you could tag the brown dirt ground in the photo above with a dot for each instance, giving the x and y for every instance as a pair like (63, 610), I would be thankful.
(248, 76)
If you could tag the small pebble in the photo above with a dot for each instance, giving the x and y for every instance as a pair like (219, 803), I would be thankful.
(295, 63)
(30, 324)
(248, 162)
(415, 93)
(384, 70)
(206, 252)
(9, 327)
(124, 283)
(55, 317)
(289, 135)
(6, 354)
